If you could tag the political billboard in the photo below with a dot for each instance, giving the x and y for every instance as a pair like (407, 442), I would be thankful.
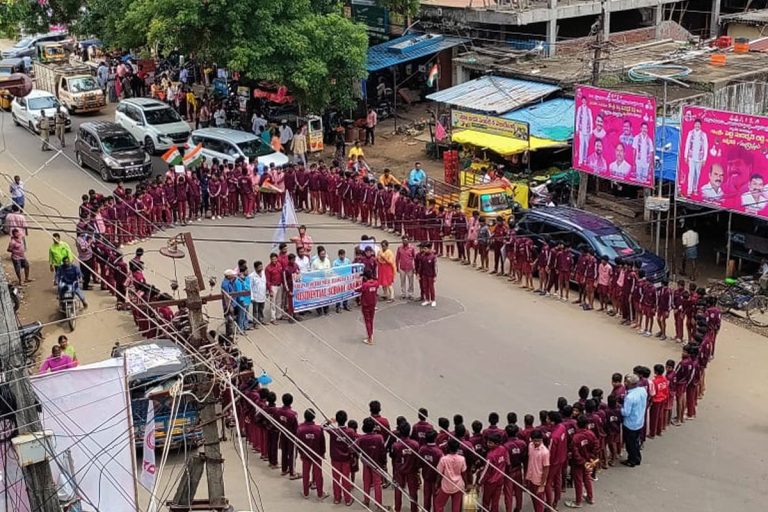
(613, 135)
(319, 288)
(723, 160)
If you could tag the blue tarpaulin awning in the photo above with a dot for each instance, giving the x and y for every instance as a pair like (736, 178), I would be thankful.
(407, 48)
(667, 163)
(493, 94)
(551, 119)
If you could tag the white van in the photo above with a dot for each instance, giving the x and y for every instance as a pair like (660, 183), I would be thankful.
(226, 144)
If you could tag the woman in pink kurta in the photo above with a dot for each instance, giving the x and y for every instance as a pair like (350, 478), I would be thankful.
(386, 264)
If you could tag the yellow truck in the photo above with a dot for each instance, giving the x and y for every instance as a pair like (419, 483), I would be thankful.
(497, 198)
(74, 85)
(51, 53)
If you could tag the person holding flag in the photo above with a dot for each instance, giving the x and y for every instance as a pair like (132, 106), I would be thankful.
(433, 76)
(172, 156)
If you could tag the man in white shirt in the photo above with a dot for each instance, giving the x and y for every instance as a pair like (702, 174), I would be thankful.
(599, 132)
(258, 282)
(583, 128)
(754, 199)
(17, 191)
(695, 154)
(691, 246)
(219, 117)
(302, 260)
(619, 168)
(258, 123)
(713, 190)
(644, 154)
(321, 262)
(286, 134)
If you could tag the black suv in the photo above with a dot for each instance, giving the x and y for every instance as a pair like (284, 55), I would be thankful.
(112, 150)
(581, 229)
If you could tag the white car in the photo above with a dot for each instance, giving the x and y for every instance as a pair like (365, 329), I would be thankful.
(28, 110)
(154, 124)
(227, 145)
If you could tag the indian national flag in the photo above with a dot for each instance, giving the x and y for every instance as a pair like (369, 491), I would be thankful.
(434, 74)
(172, 156)
(193, 156)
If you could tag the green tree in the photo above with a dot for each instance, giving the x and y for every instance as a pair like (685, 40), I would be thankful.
(406, 8)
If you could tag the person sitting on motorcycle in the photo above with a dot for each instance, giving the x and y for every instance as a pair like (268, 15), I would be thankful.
(70, 277)
(417, 178)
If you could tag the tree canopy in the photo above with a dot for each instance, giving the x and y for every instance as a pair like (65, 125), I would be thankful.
(307, 45)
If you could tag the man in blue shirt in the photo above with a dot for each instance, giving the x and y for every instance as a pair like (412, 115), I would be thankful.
(70, 276)
(340, 262)
(633, 412)
(229, 303)
(417, 178)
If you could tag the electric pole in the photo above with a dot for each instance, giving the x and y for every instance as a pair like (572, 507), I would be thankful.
(210, 459)
(597, 58)
(37, 477)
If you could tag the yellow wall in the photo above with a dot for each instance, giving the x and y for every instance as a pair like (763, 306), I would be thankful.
(751, 32)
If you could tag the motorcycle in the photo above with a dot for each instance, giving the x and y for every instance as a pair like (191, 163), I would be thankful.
(31, 336)
(68, 304)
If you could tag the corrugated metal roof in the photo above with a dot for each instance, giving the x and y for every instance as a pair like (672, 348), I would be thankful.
(493, 94)
(396, 51)
(552, 119)
(759, 45)
(757, 16)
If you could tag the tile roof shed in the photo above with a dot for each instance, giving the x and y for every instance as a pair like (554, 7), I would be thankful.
(493, 94)
(407, 48)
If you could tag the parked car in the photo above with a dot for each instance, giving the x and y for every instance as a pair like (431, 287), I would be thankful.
(28, 110)
(227, 144)
(154, 124)
(582, 229)
(27, 46)
(112, 150)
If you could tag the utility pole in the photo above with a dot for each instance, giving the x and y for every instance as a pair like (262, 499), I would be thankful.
(210, 459)
(597, 58)
(37, 477)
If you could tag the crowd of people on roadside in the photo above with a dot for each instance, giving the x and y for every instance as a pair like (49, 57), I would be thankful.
(567, 447)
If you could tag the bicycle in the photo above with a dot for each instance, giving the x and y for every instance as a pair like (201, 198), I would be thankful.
(742, 294)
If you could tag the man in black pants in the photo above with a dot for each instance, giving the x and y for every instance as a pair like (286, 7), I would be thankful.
(633, 413)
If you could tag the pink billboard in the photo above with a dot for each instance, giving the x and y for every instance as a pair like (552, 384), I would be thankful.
(723, 160)
(613, 135)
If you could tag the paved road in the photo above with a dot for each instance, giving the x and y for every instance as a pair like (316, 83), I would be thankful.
(487, 346)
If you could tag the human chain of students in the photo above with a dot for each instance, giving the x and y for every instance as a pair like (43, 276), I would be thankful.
(536, 457)
(567, 448)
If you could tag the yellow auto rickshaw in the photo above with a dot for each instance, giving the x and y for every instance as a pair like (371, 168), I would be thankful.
(9, 67)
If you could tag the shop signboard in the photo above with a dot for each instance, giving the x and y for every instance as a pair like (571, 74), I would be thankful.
(613, 135)
(463, 120)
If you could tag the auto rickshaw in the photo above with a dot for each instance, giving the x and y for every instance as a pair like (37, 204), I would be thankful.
(9, 67)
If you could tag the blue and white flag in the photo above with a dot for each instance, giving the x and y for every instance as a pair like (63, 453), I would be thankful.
(287, 220)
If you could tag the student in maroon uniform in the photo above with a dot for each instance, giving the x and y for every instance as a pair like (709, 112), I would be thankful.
(518, 454)
(373, 455)
(493, 474)
(579, 270)
(528, 427)
(683, 379)
(311, 444)
(341, 438)
(381, 427)
(712, 314)
(558, 456)
(672, 380)
(689, 307)
(692, 390)
(613, 429)
(663, 305)
(564, 267)
(421, 428)
(478, 446)
(493, 429)
(542, 264)
(405, 467)
(590, 278)
(368, 298)
(273, 433)
(289, 422)
(648, 306)
(583, 452)
(428, 275)
(429, 457)
(678, 303)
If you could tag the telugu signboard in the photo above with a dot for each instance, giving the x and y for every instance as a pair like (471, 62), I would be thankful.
(319, 288)
(723, 160)
(462, 120)
(613, 135)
